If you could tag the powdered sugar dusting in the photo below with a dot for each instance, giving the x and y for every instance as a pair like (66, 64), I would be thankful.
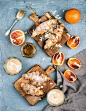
(58, 45)
(38, 87)
(41, 38)
(57, 37)
(51, 83)
(41, 86)
(46, 36)
(51, 30)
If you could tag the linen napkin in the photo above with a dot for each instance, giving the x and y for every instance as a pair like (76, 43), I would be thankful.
(75, 93)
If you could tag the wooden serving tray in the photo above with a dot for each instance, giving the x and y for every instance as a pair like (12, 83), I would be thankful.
(32, 100)
(51, 51)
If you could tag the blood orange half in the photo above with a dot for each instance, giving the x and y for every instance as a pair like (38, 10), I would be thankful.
(17, 37)
(58, 58)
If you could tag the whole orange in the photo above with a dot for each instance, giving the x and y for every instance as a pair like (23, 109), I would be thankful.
(73, 16)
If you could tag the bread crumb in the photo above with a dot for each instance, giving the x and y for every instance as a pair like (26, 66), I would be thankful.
(63, 10)
(51, 63)
(54, 12)
(43, 59)
(56, 16)
(51, 83)
(59, 17)
(41, 86)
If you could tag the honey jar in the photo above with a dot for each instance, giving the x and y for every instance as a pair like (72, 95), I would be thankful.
(28, 49)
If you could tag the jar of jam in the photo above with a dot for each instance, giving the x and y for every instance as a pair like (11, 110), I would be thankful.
(28, 50)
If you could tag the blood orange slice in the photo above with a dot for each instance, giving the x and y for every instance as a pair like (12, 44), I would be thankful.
(70, 76)
(58, 59)
(17, 37)
(73, 42)
(74, 63)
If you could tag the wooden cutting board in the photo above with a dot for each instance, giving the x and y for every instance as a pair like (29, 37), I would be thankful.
(51, 51)
(32, 100)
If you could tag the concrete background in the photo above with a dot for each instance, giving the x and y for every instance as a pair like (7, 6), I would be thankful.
(10, 99)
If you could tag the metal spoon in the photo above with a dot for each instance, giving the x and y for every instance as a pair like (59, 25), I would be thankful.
(19, 16)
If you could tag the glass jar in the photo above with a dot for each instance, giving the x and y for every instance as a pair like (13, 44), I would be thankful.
(28, 49)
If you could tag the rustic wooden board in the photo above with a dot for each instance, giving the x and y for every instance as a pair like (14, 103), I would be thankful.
(32, 100)
(34, 17)
(51, 51)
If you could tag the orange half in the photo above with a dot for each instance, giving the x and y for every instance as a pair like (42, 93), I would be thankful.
(58, 58)
(73, 42)
(70, 76)
(17, 37)
(74, 63)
